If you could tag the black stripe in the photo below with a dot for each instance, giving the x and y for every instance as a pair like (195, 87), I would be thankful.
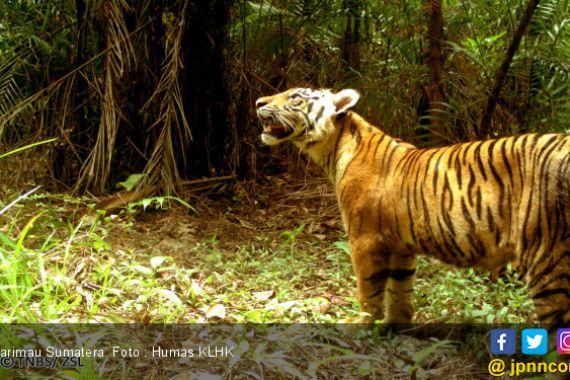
(467, 216)
(428, 164)
(464, 157)
(358, 136)
(526, 219)
(376, 293)
(506, 161)
(490, 219)
(402, 274)
(470, 185)
(379, 276)
(446, 247)
(310, 125)
(536, 277)
(477, 153)
(426, 213)
(386, 162)
(564, 277)
(410, 217)
(552, 292)
(309, 144)
(320, 114)
(365, 154)
(337, 157)
(447, 190)
(436, 172)
(458, 166)
(478, 201)
(497, 178)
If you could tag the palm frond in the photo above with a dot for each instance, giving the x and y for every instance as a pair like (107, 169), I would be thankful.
(162, 169)
(10, 91)
(97, 168)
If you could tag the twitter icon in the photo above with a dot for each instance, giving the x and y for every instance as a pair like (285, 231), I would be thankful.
(534, 341)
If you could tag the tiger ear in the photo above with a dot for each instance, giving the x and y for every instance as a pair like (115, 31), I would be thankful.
(345, 100)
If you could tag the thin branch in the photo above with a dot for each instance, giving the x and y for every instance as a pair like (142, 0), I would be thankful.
(500, 78)
(21, 197)
(207, 180)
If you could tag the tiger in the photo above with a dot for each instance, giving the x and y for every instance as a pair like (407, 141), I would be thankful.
(480, 204)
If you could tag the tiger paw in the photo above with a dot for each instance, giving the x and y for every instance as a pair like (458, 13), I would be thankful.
(362, 319)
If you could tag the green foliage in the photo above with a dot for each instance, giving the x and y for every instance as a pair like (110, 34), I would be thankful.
(343, 246)
(290, 236)
(131, 182)
(26, 147)
(158, 201)
(447, 294)
(394, 71)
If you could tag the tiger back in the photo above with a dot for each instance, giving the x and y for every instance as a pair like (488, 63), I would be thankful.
(479, 204)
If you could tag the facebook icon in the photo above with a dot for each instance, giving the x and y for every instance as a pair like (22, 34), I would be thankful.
(503, 341)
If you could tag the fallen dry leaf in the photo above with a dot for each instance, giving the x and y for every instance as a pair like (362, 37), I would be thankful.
(339, 301)
(216, 311)
(324, 307)
(263, 296)
(287, 305)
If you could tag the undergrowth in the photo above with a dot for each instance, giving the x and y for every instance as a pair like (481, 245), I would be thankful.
(58, 265)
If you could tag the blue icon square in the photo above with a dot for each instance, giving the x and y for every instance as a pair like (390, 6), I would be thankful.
(534, 341)
(503, 341)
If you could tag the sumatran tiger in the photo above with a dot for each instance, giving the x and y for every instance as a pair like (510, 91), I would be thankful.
(481, 204)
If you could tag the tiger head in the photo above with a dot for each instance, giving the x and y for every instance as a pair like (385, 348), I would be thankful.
(302, 115)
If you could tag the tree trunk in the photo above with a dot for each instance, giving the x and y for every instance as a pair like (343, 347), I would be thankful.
(135, 136)
(501, 76)
(66, 163)
(206, 92)
(351, 41)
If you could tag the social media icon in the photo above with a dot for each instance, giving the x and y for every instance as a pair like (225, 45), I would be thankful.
(563, 341)
(534, 341)
(504, 341)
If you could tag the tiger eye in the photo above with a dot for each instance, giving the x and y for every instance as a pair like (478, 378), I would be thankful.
(296, 101)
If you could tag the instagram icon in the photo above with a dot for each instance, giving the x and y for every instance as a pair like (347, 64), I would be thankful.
(563, 341)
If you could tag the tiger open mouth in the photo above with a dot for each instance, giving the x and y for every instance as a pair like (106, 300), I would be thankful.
(272, 127)
(279, 131)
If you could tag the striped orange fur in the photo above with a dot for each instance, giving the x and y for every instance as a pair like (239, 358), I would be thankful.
(480, 204)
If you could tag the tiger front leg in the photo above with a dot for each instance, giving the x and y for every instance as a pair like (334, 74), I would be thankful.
(371, 266)
(399, 289)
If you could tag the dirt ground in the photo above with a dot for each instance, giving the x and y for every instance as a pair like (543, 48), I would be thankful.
(236, 214)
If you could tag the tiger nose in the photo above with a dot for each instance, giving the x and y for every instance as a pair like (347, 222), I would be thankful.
(260, 103)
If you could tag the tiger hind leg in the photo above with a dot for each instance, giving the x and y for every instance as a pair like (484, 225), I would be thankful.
(549, 284)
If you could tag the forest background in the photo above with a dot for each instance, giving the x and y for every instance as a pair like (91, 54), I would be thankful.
(167, 88)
